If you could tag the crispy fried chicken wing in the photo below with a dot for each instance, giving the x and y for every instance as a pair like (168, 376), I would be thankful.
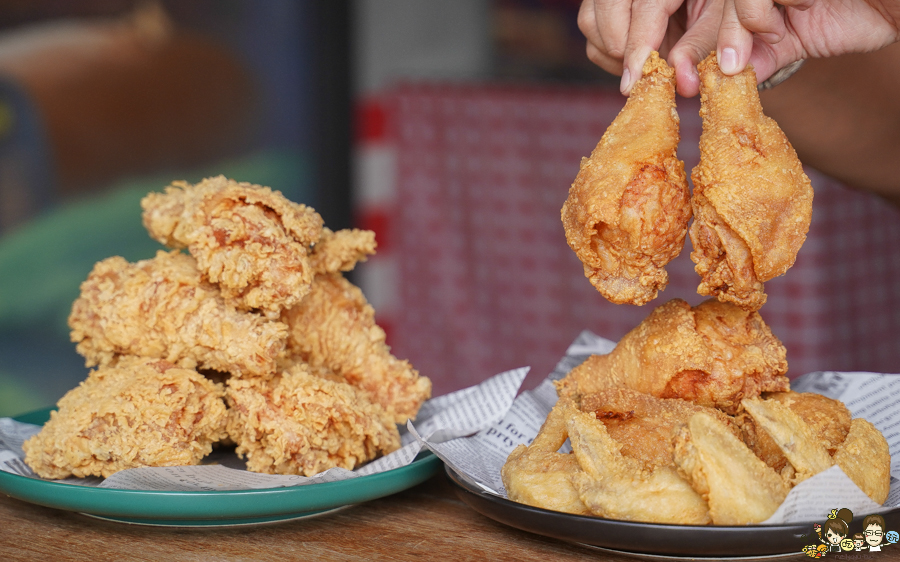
(628, 210)
(618, 487)
(248, 239)
(714, 354)
(865, 457)
(538, 474)
(643, 425)
(752, 203)
(298, 423)
(828, 419)
(334, 328)
(163, 308)
(739, 487)
(800, 445)
(150, 413)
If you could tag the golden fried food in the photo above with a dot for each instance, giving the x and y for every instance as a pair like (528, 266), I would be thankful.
(297, 423)
(618, 487)
(538, 474)
(628, 210)
(334, 328)
(828, 419)
(864, 456)
(644, 426)
(739, 487)
(752, 203)
(713, 354)
(341, 250)
(248, 239)
(150, 413)
(802, 448)
(163, 308)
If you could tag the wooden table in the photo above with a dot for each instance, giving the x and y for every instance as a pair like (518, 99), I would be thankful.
(427, 522)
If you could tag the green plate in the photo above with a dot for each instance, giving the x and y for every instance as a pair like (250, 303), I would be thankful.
(201, 509)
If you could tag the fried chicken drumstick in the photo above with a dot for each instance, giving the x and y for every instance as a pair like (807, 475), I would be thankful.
(628, 210)
(752, 202)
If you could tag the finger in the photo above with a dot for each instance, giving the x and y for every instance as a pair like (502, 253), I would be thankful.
(762, 18)
(603, 60)
(649, 19)
(605, 24)
(768, 58)
(734, 41)
(697, 42)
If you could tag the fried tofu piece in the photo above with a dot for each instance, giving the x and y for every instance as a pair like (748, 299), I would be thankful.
(298, 423)
(148, 413)
(628, 210)
(752, 202)
(714, 354)
(163, 308)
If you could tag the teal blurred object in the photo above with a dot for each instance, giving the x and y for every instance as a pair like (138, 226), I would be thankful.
(43, 263)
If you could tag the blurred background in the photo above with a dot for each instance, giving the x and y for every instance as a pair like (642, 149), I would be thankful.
(453, 128)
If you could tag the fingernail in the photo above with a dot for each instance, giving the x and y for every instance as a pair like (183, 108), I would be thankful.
(728, 61)
(626, 81)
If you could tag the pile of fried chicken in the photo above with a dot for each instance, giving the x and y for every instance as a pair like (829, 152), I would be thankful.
(690, 420)
(252, 337)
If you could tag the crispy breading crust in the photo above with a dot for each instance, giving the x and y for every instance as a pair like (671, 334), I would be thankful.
(250, 240)
(714, 354)
(341, 250)
(752, 201)
(150, 413)
(334, 327)
(162, 308)
(627, 212)
(298, 423)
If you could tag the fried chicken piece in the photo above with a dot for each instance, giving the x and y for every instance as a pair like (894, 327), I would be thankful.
(334, 327)
(628, 210)
(739, 488)
(828, 419)
(341, 250)
(752, 202)
(248, 239)
(150, 413)
(864, 456)
(802, 448)
(618, 487)
(538, 474)
(714, 354)
(297, 423)
(643, 425)
(162, 308)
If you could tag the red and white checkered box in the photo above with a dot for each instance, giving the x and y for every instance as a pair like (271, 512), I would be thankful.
(464, 186)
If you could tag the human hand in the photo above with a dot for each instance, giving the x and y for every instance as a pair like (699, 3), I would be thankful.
(770, 35)
(621, 33)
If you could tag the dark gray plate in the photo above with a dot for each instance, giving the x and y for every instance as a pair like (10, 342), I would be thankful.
(652, 540)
